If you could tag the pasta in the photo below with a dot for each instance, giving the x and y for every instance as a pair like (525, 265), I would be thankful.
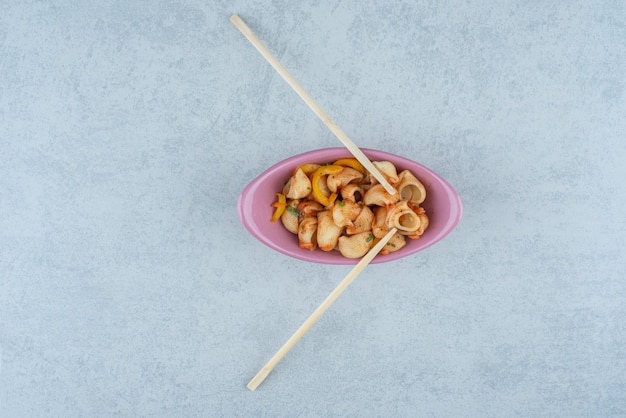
(340, 207)
(307, 233)
(328, 232)
(402, 217)
(298, 185)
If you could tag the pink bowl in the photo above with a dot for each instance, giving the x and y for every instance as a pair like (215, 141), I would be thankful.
(442, 204)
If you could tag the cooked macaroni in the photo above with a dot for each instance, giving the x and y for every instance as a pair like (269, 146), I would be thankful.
(341, 207)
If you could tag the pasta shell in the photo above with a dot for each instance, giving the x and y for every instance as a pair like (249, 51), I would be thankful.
(355, 246)
(402, 217)
(362, 223)
(379, 226)
(327, 232)
(410, 188)
(339, 180)
(424, 221)
(377, 195)
(298, 186)
(352, 192)
(307, 233)
(387, 169)
(345, 212)
(290, 217)
(309, 208)
(396, 242)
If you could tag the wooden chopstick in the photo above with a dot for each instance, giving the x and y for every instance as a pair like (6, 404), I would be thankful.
(306, 97)
(367, 258)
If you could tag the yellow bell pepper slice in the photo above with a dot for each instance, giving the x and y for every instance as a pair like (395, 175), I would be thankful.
(351, 162)
(308, 168)
(280, 207)
(318, 193)
(332, 198)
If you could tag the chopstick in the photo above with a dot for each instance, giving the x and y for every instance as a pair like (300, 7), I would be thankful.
(335, 129)
(367, 258)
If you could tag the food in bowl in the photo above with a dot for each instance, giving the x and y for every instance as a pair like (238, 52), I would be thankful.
(442, 205)
(339, 206)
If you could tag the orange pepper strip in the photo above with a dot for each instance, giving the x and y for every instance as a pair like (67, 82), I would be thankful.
(351, 162)
(319, 194)
(280, 207)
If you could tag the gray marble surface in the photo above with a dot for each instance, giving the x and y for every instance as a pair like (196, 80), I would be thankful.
(129, 287)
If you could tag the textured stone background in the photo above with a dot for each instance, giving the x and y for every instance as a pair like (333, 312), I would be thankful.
(128, 286)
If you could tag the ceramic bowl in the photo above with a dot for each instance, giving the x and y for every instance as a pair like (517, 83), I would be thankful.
(442, 204)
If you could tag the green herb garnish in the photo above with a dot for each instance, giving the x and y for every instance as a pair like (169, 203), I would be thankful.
(369, 238)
